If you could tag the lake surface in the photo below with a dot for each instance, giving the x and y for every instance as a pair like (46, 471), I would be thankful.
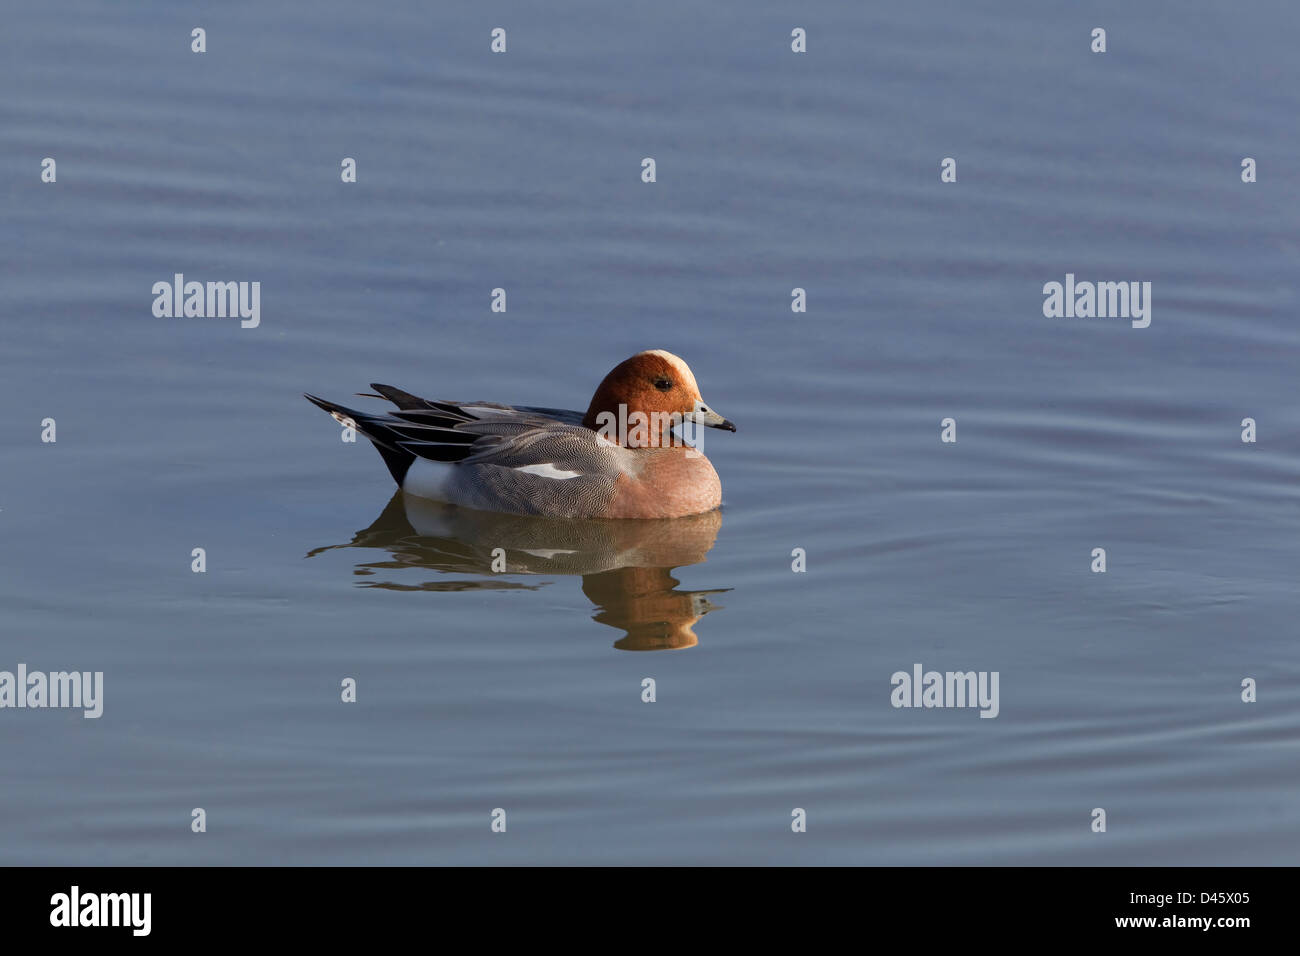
(522, 690)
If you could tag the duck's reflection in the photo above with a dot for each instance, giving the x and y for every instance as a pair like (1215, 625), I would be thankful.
(624, 565)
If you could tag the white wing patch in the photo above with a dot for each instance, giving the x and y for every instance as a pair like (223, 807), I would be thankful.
(548, 471)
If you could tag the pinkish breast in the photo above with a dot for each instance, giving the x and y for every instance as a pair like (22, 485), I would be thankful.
(670, 482)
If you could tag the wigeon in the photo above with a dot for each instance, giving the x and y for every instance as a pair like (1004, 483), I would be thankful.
(621, 459)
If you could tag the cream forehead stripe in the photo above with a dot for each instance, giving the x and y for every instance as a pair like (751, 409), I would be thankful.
(683, 370)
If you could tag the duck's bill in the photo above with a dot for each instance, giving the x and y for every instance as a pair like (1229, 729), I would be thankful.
(704, 416)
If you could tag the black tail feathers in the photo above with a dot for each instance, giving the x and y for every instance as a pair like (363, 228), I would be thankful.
(381, 436)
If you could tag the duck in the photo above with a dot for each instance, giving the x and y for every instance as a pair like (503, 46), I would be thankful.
(621, 459)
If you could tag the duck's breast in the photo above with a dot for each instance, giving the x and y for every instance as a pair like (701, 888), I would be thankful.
(668, 483)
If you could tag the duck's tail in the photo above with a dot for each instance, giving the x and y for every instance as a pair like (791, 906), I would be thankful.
(374, 427)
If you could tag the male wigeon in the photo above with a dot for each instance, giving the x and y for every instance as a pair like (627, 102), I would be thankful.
(619, 460)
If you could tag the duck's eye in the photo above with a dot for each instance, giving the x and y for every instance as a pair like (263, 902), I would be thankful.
(663, 384)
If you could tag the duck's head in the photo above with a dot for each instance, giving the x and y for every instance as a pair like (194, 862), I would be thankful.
(657, 384)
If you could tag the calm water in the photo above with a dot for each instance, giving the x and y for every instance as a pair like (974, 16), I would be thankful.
(821, 171)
